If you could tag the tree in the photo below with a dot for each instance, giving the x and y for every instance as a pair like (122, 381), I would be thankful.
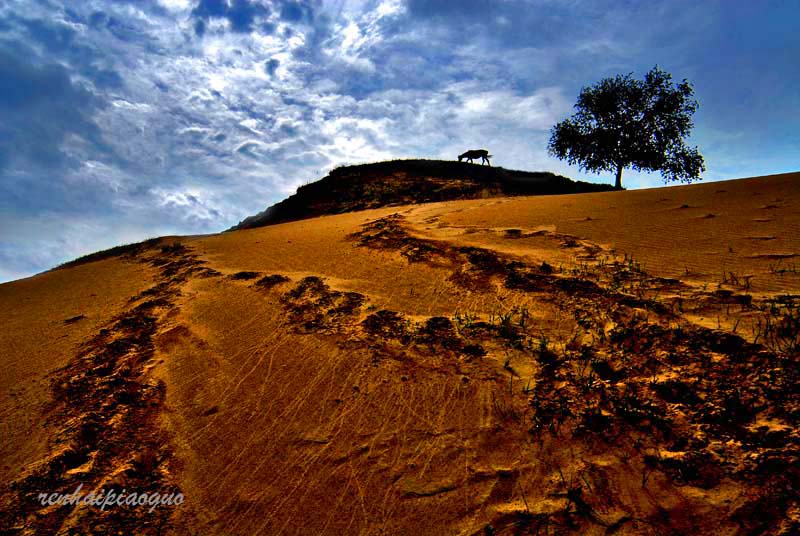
(622, 122)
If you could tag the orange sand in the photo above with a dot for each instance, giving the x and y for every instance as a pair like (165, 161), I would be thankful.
(285, 415)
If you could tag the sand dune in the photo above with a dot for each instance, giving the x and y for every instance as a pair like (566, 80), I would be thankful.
(612, 362)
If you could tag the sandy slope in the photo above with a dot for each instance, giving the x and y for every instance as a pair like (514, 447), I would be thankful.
(746, 226)
(493, 366)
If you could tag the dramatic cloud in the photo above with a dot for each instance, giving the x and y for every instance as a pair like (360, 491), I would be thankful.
(240, 14)
(121, 120)
(42, 108)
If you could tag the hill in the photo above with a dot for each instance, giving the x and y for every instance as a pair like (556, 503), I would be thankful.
(401, 182)
(606, 363)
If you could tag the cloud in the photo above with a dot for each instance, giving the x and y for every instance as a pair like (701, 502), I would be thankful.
(538, 111)
(296, 10)
(42, 108)
(196, 206)
(245, 16)
(474, 9)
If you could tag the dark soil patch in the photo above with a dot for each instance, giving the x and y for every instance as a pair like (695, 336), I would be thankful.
(270, 281)
(244, 276)
(389, 325)
(313, 306)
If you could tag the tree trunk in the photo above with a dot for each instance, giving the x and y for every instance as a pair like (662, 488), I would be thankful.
(618, 184)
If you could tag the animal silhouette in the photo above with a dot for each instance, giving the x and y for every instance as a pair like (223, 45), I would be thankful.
(469, 156)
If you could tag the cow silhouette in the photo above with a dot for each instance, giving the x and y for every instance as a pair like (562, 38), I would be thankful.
(469, 156)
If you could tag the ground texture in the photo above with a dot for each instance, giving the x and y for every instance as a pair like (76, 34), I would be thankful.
(604, 363)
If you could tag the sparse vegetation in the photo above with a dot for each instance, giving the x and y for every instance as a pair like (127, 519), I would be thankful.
(778, 325)
(126, 250)
(779, 268)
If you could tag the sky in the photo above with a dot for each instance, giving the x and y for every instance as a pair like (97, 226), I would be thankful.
(124, 120)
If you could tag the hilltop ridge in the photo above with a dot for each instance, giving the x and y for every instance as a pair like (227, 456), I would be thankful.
(401, 182)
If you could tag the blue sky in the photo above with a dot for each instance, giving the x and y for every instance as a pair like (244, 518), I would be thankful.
(122, 120)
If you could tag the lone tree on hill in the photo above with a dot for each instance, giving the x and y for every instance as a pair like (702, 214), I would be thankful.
(622, 122)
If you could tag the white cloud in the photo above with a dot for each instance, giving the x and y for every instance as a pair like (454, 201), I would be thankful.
(176, 5)
(538, 111)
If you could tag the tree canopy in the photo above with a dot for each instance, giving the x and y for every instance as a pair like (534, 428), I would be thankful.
(623, 122)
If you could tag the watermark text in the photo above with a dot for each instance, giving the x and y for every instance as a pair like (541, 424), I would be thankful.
(104, 499)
